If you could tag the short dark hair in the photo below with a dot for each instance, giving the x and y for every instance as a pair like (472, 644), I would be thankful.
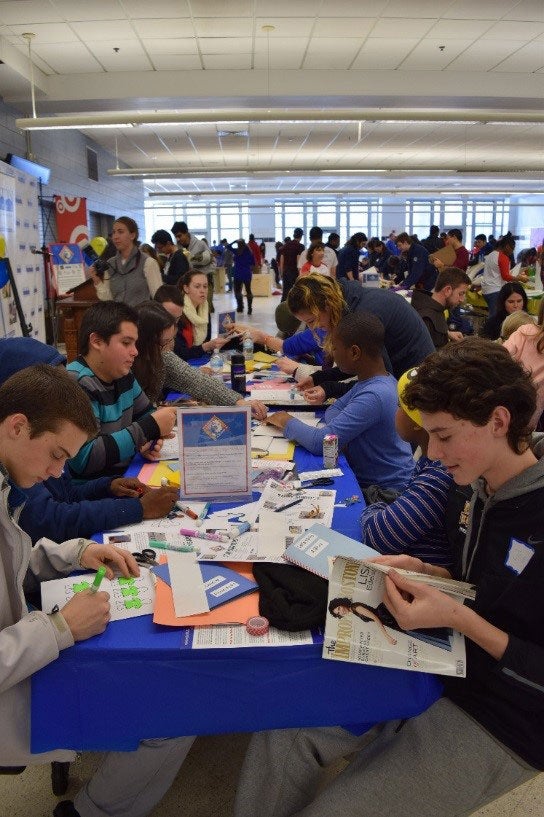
(451, 277)
(47, 396)
(404, 238)
(161, 237)
(168, 292)
(297, 233)
(362, 329)
(455, 233)
(179, 227)
(468, 380)
(104, 319)
(480, 237)
(315, 234)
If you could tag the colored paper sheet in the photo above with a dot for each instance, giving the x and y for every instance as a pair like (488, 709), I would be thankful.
(152, 473)
(235, 612)
(264, 357)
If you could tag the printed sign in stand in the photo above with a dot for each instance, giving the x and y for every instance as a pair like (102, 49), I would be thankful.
(67, 266)
(215, 453)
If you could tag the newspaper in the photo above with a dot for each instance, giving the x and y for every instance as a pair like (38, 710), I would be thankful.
(364, 632)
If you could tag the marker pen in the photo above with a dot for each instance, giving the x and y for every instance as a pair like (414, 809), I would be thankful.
(100, 573)
(186, 510)
(289, 504)
(165, 546)
(238, 528)
(211, 537)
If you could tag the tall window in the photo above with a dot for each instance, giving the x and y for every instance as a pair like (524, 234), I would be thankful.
(471, 216)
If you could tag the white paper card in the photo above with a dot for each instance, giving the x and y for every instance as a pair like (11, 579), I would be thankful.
(187, 585)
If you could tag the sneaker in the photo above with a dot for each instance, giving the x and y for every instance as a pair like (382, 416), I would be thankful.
(239, 310)
(65, 809)
(250, 312)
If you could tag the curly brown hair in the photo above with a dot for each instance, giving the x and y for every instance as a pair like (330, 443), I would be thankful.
(468, 380)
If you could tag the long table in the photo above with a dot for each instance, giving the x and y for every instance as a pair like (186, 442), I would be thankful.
(134, 682)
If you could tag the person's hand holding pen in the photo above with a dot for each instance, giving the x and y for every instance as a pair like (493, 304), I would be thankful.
(151, 450)
(128, 486)
(88, 612)
(159, 502)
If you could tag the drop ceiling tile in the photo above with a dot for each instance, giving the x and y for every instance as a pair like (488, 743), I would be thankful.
(427, 55)
(286, 8)
(528, 59)
(343, 47)
(214, 27)
(47, 33)
(399, 28)
(356, 26)
(527, 10)
(333, 60)
(482, 55)
(515, 30)
(95, 31)
(283, 45)
(167, 46)
(222, 8)
(416, 8)
(482, 10)
(178, 27)
(227, 61)
(459, 29)
(285, 60)
(384, 54)
(349, 8)
(127, 48)
(284, 27)
(72, 58)
(225, 45)
(78, 10)
(27, 11)
(113, 62)
(157, 9)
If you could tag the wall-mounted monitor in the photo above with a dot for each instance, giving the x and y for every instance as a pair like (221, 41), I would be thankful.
(32, 168)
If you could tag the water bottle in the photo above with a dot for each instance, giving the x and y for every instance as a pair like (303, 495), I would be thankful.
(216, 364)
(238, 374)
(248, 347)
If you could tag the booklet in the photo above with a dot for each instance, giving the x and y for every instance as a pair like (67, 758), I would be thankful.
(313, 549)
(359, 628)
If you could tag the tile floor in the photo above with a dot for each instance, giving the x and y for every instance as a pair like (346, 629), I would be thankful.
(206, 783)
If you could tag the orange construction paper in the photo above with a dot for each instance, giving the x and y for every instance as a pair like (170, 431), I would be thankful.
(233, 612)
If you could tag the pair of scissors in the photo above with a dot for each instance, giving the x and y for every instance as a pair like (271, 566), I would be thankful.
(147, 558)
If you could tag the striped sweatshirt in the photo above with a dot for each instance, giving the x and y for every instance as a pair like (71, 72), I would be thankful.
(125, 423)
(415, 522)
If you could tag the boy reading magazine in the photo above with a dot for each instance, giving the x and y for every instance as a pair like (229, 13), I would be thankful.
(484, 736)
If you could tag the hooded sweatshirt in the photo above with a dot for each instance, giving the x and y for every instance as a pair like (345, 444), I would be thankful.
(503, 554)
(59, 508)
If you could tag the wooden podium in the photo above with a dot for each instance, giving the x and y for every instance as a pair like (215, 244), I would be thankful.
(72, 308)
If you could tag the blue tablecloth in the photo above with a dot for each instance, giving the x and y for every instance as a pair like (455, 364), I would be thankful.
(134, 681)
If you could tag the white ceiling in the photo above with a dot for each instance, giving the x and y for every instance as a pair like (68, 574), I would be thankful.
(202, 55)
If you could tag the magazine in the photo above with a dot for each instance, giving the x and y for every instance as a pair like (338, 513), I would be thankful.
(359, 628)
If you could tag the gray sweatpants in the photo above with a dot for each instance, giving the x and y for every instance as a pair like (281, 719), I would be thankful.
(439, 764)
(130, 784)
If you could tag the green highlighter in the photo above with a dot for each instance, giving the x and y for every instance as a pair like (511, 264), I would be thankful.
(100, 573)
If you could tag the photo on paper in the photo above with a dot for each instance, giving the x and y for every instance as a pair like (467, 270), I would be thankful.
(214, 428)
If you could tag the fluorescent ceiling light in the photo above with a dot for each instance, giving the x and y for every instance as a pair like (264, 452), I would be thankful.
(277, 116)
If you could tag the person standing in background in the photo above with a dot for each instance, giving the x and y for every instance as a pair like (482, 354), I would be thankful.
(289, 261)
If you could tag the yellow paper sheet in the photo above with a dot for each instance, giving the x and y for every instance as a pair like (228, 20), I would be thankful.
(290, 455)
(264, 357)
(152, 474)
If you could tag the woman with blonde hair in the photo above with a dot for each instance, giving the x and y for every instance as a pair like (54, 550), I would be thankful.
(321, 302)
(526, 345)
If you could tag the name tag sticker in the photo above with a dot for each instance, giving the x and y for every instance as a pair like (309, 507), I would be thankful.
(519, 555)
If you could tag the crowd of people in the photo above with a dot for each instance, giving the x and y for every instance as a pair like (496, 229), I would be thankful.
(400, 378)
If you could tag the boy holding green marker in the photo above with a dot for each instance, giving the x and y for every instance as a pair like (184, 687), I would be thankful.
(45, 418)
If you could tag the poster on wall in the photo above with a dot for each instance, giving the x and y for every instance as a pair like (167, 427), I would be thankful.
(71, 219)
(9, 326)
(19, 235)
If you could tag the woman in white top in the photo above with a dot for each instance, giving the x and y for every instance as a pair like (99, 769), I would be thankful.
(131, 276)
(315, 261)
(497, 272)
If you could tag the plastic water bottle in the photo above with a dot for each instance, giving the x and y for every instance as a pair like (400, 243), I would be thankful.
(216, 364)
(248, 347)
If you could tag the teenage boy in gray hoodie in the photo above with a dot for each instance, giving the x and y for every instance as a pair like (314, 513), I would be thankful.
(45, 418)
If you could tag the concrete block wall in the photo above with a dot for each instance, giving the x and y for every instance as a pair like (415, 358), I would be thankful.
(65, 153)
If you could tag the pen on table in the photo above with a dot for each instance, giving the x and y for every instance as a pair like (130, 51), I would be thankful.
(211, 537)
(187, 511)
(289, 504)
(100, 573)
(154, 543)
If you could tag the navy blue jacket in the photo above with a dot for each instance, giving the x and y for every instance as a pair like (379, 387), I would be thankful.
(407, 339)
(60, 509)
(420, 269)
